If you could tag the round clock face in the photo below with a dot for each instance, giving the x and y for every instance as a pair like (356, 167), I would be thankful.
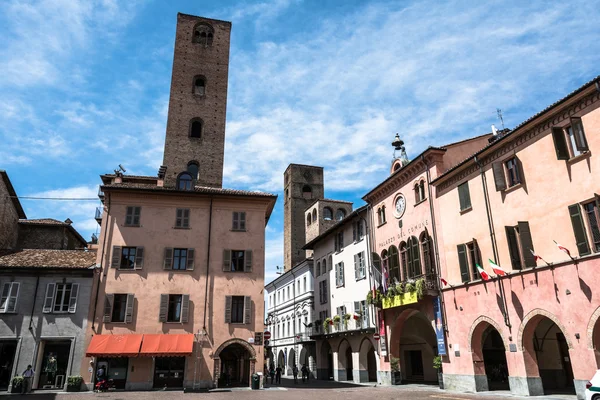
(399, 206)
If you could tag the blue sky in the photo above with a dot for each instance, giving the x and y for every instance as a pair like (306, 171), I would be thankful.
(84, 87)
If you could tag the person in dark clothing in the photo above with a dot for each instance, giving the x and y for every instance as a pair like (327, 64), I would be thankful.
(272, 374)
(278, 375)
(304, 373)
(295, 372)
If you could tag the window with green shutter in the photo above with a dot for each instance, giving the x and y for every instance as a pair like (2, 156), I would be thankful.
(463, 262)
(579, 230)
(464, 197)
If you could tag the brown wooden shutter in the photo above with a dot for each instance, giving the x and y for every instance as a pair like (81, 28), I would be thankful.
(560, 143)
(73, 297)
(116, 257)
(243, 221)
(179, 217)
(499, 179)
(578, 134)
(247, 309)
(129, 216)
(236, 221)
(129, 308)
(49, 298)
(168, 259)
(464, 196)
(248, 261)
(186, 218)
(416, 256)
(227, 309)
(463, 262)
(136, 215)
(513, 247)
(190, 259)
(526, 243)
(185, 308)
(579, 230)
(108, 307)
(226, 260)
(164, 308)
(519, 166)
(139, 257)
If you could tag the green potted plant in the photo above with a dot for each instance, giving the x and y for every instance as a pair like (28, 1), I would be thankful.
(409, 287)
(437, 364)
(346, 319)
(396, 374)
(17, 384)
(420, 287)
(326, 324)
(336, 321)
(374, 299)
(74, 383)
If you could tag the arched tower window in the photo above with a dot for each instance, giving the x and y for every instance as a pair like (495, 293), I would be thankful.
(394, 265)
(193, 169)
(324, 266)
(203, 34)
(314, 214)
(426, 244)
(308, 219)
(196, 127)
(327, 214)
(199, 85)
(419, 191)
(184, 181)
(340, 214)
(414, 257)
(306, 192)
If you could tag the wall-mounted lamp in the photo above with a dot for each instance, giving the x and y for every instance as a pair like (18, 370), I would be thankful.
(460, 308)
(577, 336)
(568, 292)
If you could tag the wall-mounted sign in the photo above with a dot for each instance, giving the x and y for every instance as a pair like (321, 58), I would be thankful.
(251, 340)
(439, 326)
(258, 339)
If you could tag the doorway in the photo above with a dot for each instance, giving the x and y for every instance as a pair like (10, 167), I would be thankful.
(349, 367)
(235, 366)
(115, 369)
(414, 365)
(7, 357)
(168, 372)
(494, 360)
(55, 361)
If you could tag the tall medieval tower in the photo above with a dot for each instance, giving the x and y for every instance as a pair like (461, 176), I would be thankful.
(303, 185)
(195, 139)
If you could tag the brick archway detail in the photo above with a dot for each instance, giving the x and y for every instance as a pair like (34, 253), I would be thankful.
(217, 359)
(241, 342)
(484, 319)
(591, 326)
(538, 312)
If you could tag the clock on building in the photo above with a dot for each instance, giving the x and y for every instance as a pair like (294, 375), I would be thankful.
(399, 206)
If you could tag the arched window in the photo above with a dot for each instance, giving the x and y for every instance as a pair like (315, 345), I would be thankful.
(314, 214)
(404, 259)
(203, 34)
(381, 215)
(196, 126)
(340, 214)
(199, 85)
(184, 181)
(394, 264)
(428, 262)
(324, 267)
(318, 270)
(417, 196)
(419, 192)
(376, 268)
(308, 219)
(193, 169)
(306, 192)
(327, 214)
(414, 258)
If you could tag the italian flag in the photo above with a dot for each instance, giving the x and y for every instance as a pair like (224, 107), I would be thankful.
(563, 248)
(497, 270)
(484, 275)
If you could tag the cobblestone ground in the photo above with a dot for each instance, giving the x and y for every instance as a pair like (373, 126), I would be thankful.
(290, 391)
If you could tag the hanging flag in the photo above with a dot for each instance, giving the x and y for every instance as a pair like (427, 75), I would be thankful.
(444, 282)
(385, 276)
(484, 275)
(563, 248)
(497, 270)
(535, 256)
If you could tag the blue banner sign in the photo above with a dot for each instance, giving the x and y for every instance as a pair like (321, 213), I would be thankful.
(439, 326)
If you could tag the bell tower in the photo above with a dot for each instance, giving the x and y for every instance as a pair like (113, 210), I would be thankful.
(195, 138)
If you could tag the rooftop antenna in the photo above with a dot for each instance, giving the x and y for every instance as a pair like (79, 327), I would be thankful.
(499, 112)
(120, 170)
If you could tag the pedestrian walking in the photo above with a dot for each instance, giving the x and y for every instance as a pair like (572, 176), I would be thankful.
(304, 373)
(272, 374)
(295, 372)
(278, 375)
(27, 377)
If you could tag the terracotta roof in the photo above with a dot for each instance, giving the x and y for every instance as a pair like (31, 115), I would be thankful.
(12, 194)
(38, 258)
(310, 244)
(54, 222)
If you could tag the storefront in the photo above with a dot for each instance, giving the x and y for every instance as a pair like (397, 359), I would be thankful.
(52, 367)
(8, 349)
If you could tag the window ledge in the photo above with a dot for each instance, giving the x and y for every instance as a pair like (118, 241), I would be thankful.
(421, 201)
(382, 224)
(580, 157)
(125, 269)
(181, 227)
(132, 226)
(513, 188)
(361, 278)
(172, 322)
(466, 210)
(237, 230)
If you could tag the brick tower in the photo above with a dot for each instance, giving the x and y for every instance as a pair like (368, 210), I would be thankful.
(303, 184)
(195, 139)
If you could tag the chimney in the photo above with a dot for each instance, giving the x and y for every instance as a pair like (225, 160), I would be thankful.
(68, 221)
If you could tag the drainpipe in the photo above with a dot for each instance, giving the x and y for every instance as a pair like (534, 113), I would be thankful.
(293, 313)
(368, 255)
(207, 262)
(102, 260)
(37, 284)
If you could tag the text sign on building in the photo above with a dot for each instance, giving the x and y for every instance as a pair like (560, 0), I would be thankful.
(258, 338)
(400, 300)
(439, 326)
(382, 339)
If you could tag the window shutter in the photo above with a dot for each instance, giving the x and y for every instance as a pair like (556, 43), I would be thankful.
(519, 166)
(129, 308)
(236, 221)
(186, 218)
(164, 308)
(341, 240)
(466, 196)
(325, 294)
(185, 307)
(179, 217)
(116, 257)
(321, 292)
(513, 247)
(499, 180)
(5, 295)
(337, 274)
(463, 262)
(190, 260)
(361, 229)
(129, 216)
(168, 260)
(243, 221)
(526, 244)
(247, 309)
(560, 143)
(342, 273)
(579, 230)
(356, 273)
(227, 309)
(49, 298)
(578, 134)
(73, 298)
(227, 260)
(13, 296)
(108, 307)
(139, 257)
(248, 261)
(136, 215)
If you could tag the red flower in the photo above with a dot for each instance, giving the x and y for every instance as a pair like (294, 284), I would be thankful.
(356, 317)
(331, 322)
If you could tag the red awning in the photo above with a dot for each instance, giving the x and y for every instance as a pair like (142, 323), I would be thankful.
(114, 346)
(167, 345)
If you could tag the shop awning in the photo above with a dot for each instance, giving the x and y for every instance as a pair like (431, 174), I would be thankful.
(114, 346)
(167, 345)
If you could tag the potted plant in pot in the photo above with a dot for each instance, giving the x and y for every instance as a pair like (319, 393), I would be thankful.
(74, 383)
(437, 364)
(17, 384)
(396, 374)
(346, 319)
(336, 321)
(327, 324)
(358, 319)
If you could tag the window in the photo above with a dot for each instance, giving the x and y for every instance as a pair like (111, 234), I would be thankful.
(314, 214)
(306, 192)
(593, 216)
(239, 221)
(323, 296)
(468, 258)
(174, 308)
(339, 274)
(304, 284)
(288, 293)
(474, 259)
(237, 260)
(182, 218)
(570, 142)
(579, 228)
(184, 181)
(520, 245)
(10, 295)
(507, 174)
(327, 214)
(426, 247)
(180, 258)
(174, 313)
(203, 34)
(420, 192)
(118, 308)
(61, 298)
(464, 197)
(381, 215)
(324, 271)
(512, 172)
(298, 292)
(237, 309)
(132, 216)
(193, 169)
(393, 263)
(318, 269)
(308, 219)
(127, 258)
(128, 255)
(339, 241)
(358, 231)
(340, 214)
(196, 126)
(377, 275)
(414, 257)
(199, 85)
(359, 266)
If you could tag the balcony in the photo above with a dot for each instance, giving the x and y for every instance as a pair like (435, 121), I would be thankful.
(98, 216)
(409, 291)
(351, 327)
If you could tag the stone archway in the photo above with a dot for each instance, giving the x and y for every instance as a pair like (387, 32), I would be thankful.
(234, 359)
(367, 361)
(325, 368)
(488, 348)
(345, 365)
(593, 335)
(291, 361)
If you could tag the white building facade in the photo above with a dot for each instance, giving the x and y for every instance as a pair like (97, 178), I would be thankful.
(289, 311)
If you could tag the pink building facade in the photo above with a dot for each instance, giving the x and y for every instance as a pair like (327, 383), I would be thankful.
(534, 331)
